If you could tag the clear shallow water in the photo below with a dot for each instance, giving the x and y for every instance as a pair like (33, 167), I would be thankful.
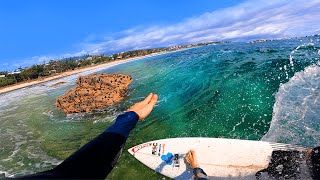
(265, 91)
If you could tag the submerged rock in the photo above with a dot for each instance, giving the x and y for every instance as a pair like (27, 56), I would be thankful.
(95, 91)
(58, 84)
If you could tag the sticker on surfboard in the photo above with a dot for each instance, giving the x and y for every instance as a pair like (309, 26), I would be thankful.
(154, 148)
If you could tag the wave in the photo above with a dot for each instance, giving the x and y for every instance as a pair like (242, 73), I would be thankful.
(4, 174)
(296, 110)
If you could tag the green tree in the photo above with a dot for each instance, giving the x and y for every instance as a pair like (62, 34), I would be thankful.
(7, 81)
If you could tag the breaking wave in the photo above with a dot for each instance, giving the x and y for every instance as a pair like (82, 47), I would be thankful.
(296, 110)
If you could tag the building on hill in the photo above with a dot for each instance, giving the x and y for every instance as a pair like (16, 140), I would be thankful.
(52, 71)
(17, 71)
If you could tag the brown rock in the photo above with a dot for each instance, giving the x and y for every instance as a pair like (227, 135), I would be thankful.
(95, 91)
(57, 84)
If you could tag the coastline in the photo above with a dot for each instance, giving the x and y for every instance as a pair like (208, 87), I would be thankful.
(76, 71)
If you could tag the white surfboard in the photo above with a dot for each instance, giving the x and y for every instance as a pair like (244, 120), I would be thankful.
(220, 158)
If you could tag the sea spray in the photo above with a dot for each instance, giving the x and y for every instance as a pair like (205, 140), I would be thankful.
(296, 110)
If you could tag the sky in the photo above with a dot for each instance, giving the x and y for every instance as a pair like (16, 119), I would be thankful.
(36, 31)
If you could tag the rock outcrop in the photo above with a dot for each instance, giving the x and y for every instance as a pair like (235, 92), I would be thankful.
(95, 91)
(58, 84)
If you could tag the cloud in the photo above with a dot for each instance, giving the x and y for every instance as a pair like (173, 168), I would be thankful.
(41, 59)
(252, 19)
(4, 64)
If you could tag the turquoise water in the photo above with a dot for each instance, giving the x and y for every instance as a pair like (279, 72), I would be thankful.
(267, 91)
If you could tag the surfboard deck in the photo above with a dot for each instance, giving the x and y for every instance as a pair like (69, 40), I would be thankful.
(220, 158)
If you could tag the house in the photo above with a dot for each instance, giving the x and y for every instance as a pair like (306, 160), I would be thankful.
(52, 71)
(14, 72)
(2, 76)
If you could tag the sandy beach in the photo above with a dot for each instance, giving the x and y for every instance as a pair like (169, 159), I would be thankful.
(68, 73)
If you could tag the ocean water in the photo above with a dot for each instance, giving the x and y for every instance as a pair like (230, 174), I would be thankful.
(264, 91)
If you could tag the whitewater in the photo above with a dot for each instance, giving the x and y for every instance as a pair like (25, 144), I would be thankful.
(259, 91)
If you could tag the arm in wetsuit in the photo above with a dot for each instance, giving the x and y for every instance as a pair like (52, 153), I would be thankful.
(199, 174)
(97, 158)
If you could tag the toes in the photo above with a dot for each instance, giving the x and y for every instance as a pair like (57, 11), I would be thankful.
(153, 100)
(147, 99)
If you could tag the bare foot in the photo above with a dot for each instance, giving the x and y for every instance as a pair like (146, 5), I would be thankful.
(192, 159)
(144, 108)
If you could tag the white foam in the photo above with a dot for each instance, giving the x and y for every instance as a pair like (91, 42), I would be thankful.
(14, 97)
(6, 174)
(296, 110)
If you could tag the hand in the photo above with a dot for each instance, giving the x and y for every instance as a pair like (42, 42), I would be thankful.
(192, 159)
(144, 108)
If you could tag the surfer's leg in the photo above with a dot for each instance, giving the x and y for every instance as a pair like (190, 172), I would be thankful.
(96, 159)
(192, 159)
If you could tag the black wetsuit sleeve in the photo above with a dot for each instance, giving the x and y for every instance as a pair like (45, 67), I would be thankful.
(199, 174)
(95, 159)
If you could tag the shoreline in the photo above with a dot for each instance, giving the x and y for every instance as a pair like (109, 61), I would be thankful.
(76, 71)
